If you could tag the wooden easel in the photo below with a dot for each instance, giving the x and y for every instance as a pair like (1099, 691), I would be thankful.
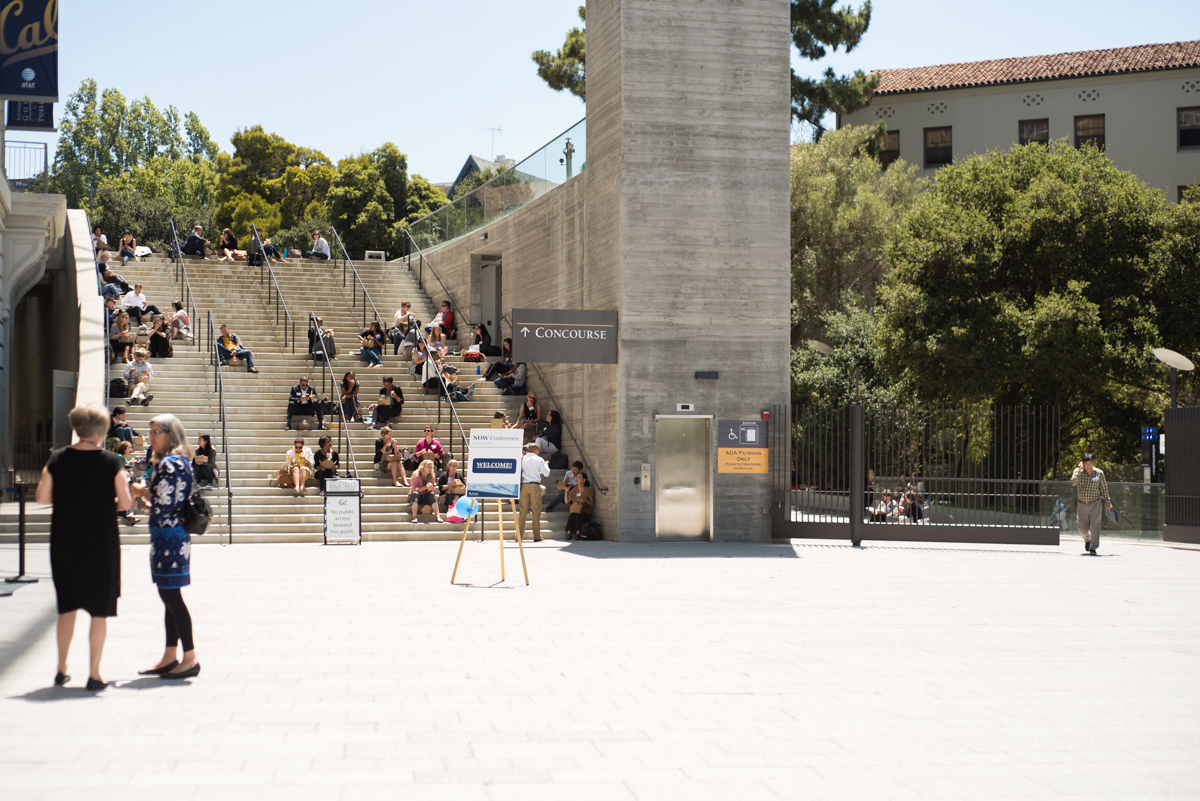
(516, 533)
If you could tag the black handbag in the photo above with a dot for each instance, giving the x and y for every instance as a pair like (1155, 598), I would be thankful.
(197, 514)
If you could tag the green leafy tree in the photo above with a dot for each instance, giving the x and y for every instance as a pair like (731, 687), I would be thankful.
(818, 27)
(252, 210)
(200, 147)
(1031, 276)
(851, 372)
(566, 68)
(258, 167)
(845, 210)
(423, 198)
(359, 205)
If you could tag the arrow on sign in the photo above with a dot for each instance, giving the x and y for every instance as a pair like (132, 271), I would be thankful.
(525, 332)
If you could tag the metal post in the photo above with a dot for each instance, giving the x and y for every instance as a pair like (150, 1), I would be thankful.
(857, 475)
(46, 168)
(1174, 385)
(20, 578)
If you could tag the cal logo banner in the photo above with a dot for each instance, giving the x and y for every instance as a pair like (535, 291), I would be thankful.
(29, 50)
(495, 464)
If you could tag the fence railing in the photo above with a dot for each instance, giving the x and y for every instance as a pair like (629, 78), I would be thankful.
(587, 464)
(219, 387)
(181, 279)
(27, 166)
(551, 165)
(423, 263)
(274, 293)
(357, 285)
(344, 423)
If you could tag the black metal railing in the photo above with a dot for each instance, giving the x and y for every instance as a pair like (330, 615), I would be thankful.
(185, 284)
(587, 464)
(27, 166)
(274, 293)
(344, 425)
(422, 263)
(357, 285)
(219, 388)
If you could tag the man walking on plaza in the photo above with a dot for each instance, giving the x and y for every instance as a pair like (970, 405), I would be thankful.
(1090, 489)
(533, 467)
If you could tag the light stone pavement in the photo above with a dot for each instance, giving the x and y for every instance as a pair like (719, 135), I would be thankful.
(624, 672)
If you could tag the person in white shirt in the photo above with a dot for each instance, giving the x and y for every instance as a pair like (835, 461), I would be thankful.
(320, 248)
(135, 304)
(133, 371)
(529, 501)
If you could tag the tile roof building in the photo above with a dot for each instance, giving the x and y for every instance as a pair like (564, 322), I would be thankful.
(1142, 104)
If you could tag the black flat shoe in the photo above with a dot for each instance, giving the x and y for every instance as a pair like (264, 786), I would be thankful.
(158, 671)
(194, 670)
(96, 685)
(60, 679)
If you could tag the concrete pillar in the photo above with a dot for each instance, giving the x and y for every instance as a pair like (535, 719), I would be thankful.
(687, 233)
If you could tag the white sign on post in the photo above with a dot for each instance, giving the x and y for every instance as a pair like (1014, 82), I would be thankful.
(495, 470)
(343, 518)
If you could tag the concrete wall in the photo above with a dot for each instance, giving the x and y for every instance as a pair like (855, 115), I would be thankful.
(680, 223)
(1140, 113)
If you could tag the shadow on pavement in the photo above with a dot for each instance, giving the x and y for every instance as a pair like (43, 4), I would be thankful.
(47, 694)
(679, 550)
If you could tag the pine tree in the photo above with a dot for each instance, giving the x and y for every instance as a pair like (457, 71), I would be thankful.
(816, 27)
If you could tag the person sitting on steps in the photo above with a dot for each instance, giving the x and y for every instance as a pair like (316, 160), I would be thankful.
(566, 485)
(404, 323)
(428, 448)
(326, 455)
(514, 382)
(320, 341)
(139, 373)
(196, 245)
(228, 247)
(120, 337)
(581, 502)
(299, 461)
(119, 428)
(443, 321)
(160, 338)
(502, 367)
(231, 345)
(423, 491)
(550, 439)
(135, 304)
(320, 248)
(391, 403)
(372, 339)
(349, 397)
(303, 401)
(451, 485)
(180, 322)
(267, 248)
(127, 248)
(204, 463)
(531, 413)
(387, 446)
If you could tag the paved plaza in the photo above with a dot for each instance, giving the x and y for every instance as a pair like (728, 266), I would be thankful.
(624, 672)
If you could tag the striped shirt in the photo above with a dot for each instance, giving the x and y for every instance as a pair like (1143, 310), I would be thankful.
(1090, 488)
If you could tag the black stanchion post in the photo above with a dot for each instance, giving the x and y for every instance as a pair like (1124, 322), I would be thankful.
(858, 476)
(21, 578)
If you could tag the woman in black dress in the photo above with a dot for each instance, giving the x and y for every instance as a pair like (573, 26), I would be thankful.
(85, 549)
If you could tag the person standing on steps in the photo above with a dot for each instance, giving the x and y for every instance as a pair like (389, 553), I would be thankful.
(167, 487)
(85, 548)
(1090, 489)
(320, 248)
(231, 345)
(533, 468)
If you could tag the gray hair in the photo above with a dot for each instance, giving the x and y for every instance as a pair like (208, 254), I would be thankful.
(177, 441)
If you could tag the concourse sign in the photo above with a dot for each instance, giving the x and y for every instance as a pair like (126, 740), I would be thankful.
(564, 336)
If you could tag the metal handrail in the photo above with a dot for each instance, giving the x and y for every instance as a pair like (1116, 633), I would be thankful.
(189, 300)
(214, 359)
(421, 261)
(582, 454)
(278, 299)
(344, 427)
(358, 278)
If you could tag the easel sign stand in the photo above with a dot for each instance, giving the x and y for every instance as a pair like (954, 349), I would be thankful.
(495, 464)
(516, 536)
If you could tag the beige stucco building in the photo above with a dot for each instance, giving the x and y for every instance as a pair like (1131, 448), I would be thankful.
(1141, 103)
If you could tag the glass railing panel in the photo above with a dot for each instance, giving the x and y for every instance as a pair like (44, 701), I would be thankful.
(552, 165)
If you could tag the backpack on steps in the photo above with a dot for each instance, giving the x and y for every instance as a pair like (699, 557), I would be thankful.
(558, 461)
(117, 388)
(591, 531)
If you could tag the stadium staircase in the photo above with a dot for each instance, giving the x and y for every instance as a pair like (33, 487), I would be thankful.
(257, 403)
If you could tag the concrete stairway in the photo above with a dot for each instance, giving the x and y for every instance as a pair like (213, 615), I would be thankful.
(257, 404)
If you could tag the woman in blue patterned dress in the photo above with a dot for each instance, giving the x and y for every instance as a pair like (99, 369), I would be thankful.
(167, 487)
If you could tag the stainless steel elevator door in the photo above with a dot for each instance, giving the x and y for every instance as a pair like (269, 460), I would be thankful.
(682, 479)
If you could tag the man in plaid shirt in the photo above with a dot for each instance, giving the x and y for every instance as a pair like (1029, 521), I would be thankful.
(1090, 488)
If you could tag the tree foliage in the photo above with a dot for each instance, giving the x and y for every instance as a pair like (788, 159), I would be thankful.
(817, 27)
(566, 69)
(1042, 275)
(844, 212)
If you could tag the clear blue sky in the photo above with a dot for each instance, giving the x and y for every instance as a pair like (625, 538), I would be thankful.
(432, 76)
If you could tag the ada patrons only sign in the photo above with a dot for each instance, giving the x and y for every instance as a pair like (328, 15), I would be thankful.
(742, 446)
(561, 336)
(495, 470)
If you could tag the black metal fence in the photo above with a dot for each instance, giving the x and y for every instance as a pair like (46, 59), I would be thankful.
(1182, 507)
(954, 473)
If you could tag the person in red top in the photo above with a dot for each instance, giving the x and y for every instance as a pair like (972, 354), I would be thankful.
(444, 319)
(428, 448)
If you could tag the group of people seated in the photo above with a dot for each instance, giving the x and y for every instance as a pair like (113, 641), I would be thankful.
(127, 247)
(547, 434)
(227, 247)
(301, 464)
(905, 504)
(426, 486)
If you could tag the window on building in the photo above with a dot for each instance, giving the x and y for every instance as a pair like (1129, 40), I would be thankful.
(1189, 128)
(1090, 130)
(891, 148)
(1033, 131)
(938, 147)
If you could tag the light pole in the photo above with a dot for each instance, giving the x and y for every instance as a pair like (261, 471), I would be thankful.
(1177, 362)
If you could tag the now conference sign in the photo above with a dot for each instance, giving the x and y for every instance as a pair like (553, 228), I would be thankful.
(495, 464)
(560, 336)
